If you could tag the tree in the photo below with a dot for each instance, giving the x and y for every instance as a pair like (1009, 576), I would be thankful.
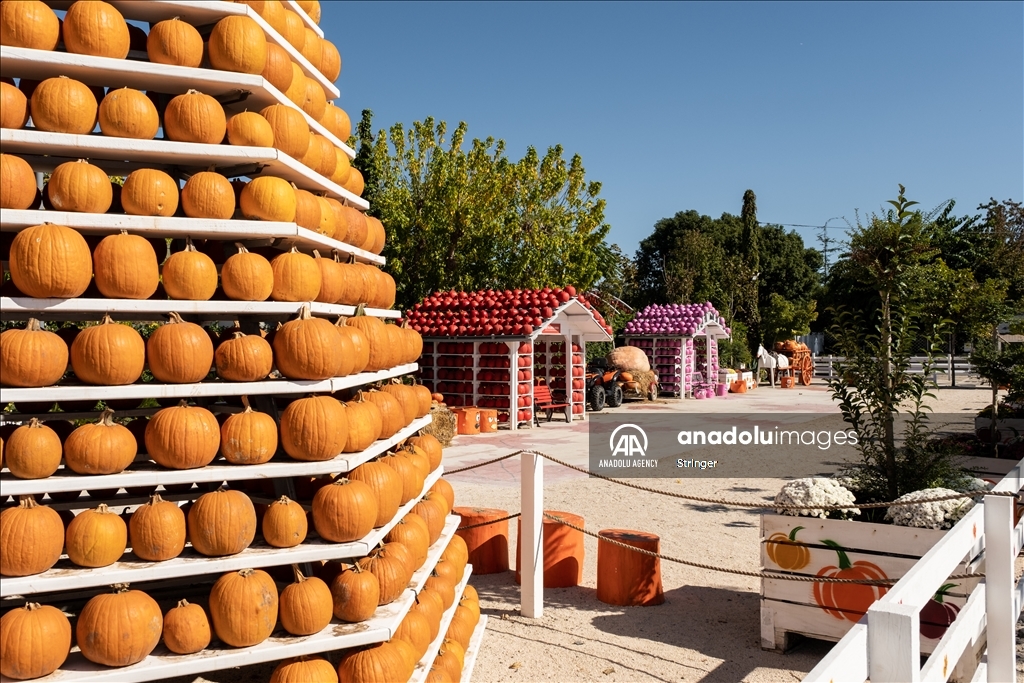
(752, 257)
(785, 319)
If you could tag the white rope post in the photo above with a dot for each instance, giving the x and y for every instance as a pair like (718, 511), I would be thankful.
(999, 588)
(894, 643)
(531, 551)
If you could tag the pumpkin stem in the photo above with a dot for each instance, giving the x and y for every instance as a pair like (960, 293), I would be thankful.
(32, 606)
(304, 312)
(844, 560)
(107, 320)
(360, 310)
(103, 509)
(34, 423)
(27, 502)
(107, 418)
(155, 499)
(284, 500)
(316, 253)
(299, 578)
(174, 318)
(183, 603)
(244, 573)
(943, 591)
(120, 587)
(33, 325)
(188, 244)
(183, 403)
(293, 250)
(792, 534)
(245, 402)
(241, 248)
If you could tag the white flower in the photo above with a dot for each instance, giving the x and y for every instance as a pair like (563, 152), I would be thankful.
(974, 484)
(936, 515)
(815, 491)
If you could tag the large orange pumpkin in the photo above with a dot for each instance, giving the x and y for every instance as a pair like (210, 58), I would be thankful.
(80, 187)
(433, 512)
(34, 641)
(328, 158)
(249, 437)
(29, 23)
(307, 348)
(391, 563)
(291, 132)
(249, 129)
(412, 478)
(294, 29)
(344, 511)
(237, 43)
(96, 28)
(247, 277)
(284, 524)
(119, 628)
(356, 594)
(431, 605)
(17, 183)
(96, 538)
(268, 199)
(305, 606)
(157, 530)
(336, 120)
(244, 358)
(360, 345)
(312, 9)
(109, 354)
(431, 446)
(190, 274)
(381, 353)
(149, 192)
(243, 607)
(381, 662)
(33, 451)
(31, 538)
(342, 167)
(63, 105)
(849, 601)
(304, 669)
(314, 428)
(364, 424)
(278, 68)
(391, 412)
(126, 267)
(386, 486)
(413, 535)
(332, 276)
(355, 183)
(415, 630)
(128, 113)
(314, 100)
(208, 194)
(173, 41)
(32, 357)
(179, 352)
(406, 397)
(222, 522)
(183, 437)
(186, 628)
(307, 208)
(356, 233)
(195, 117)
(13, 107)
(102, 447)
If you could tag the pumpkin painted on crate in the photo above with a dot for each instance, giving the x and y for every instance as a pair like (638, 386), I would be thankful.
(63, 105)
(278, 67)
(96, 28)
(787, 552)
(345, 510)
(149, 192)
(31, 357)
(125, 267)
(306, 606)
(307, 348)
(183, 437)
(17, 183)
(29, 23)
(96, 538)
(31, 538)
(246, 276)
(237, 43)
(314, 428)
(176, 42)
(80, 187)
(849, 601)
(291, 132)
(195, 117)
(119, 628)
(222, 522)
(244, 358)
(33, 451)
(101, 447)
(128, 113)
(190, 274)
(108, 354)
(244, 607)
(13, 107)
(157, 530)
(381, 662)
(186, 628)
(296, 277)
(386, 485)
(284, 524)
(390, 563)
(34, 641)
(208, 194)
(304, 669)
(179, 352)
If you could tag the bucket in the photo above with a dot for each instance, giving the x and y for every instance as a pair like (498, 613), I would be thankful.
(468, 420)
(722, 389)
(739, 386)
(786, 382)
(488, 420)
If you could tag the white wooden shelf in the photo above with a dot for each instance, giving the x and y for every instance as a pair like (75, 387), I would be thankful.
(81, 392)
(67, 576)
(148, 473)
(22, 308)
(20, 62)
(294, 6)
(473, 651)
(204, 13)
(252, 233)
(231, 160)
(419, 674)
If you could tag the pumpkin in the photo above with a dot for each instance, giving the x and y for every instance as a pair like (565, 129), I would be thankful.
(457, 552)
(268, 199)
(247, 277)
(13, 107)
(314, 99)
(408, 651)
(294, 29)
(386, 485)
(63, 105)
(249, 437)
(375, 229)
(342, 167)
(304, 669)
(126, 267)
(332, 277)
(186, 628)
(249, 129)
(438, 674)
(149, 192)
(311, 47)
(314, 428)
(34, 641)
(237, 43)
(96, 538)
(296, 92)
(360, 345)
(330, 61)
(195, 117)
(182, 437)
(31, 538)
(336, 120)
(355, 183)
(470, 592)
(291, 132)
(278, 67)
(108, 354)
(272, 12)
(306, 605)
(17, 183)
(285, 526)
(119, 628)
(391, 563)
(33, 451)
(102, 447)
(311, 159)
(391, 412)
(307, 209)
(433, 513)
(312, 9)
(29, 23)
(244, 358)
(355, 594)
(356, 224)
(31, 357)
(95, 28)
(415, 630)
(222, 522)
(337, 219)
(443, 587)
(190, 274)
(208, 194)
(788, 553)
(175, 42)
(308, 347)
(383, 662)
(80, 187)
(445, 490)
(328, 158)
(157, 530)
(345, 510)
(406, 397)
(243, 607)
(128, 113)
(431, 446)
(376, 337)
(451, 656)
(412, 479)
(179, 352)
(423, 398)
(413, 536)
(447, 569)
(364, 424)
(849, 601)
(430, 604)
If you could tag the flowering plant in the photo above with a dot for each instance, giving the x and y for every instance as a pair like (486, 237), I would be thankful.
(935, 515)
(820, 491)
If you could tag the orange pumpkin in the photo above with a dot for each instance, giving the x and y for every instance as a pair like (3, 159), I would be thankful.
(386, 485)
(17, 183)
(80, 187)
(128, 113)
(195, 117)
(336, 120)
(268, 199)
(190, 274)
(96, 538)
(186, 628)
(126, 267)
(244, 358)
(108, 354)
(179, 352)
(284, 525)
(307, 348)
(34, 641)
(102, 447)
(249, 437)
(13, 107)
(243, 607)
(96, 28)
(33, 451)
(249, 129)
(32, 357)
(149, 192)
(305, 606)
(176, 42)
(391, 563)
(31, 24)
(208, 194)
(304, 669)
(157, 530)
(63, 105)
(314, 428)
(355, 594)
(222, 522)
(119, 628)
(291, 132)
(237, 43)
(849, 601)
(183, 437)
(278, 68)
(247, 277)
(787, 552)
(31, 538)
(381, 662)
(364, 424)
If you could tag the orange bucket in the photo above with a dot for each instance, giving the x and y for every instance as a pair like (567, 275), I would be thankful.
(468, 420)
(488, 420)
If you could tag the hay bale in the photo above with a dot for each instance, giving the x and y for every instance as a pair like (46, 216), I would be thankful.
(443, 424)
(644, 378)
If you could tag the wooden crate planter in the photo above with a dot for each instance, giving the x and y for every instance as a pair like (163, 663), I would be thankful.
(841, 549)
(1008, 428)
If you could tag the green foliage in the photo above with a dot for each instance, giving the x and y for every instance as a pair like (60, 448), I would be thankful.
(1003, 367)
(735, 352)
(464, 216)
(785, 319)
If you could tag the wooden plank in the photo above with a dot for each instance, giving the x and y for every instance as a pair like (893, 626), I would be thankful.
(847, 662)
(819, 557)
(799, 592)
(894, 646)
(427, 660)
(880, 538)
(475, 643)
(531, 592)
(965, 630)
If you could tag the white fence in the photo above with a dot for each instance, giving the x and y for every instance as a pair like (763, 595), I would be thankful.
(979, 645)
(951, 366)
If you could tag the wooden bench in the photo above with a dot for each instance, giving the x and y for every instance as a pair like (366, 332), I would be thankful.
(542, 400)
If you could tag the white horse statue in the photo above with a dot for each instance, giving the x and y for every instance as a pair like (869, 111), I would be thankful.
(766, 360)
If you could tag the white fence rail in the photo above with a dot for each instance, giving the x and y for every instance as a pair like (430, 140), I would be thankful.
(979, 645)
(951, 366)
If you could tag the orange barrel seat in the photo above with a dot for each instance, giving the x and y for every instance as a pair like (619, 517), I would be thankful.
(468, 420)
(625, 577)
(563, 551)
(487, 545)
(488, 420)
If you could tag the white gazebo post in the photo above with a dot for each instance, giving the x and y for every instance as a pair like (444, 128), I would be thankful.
(531, 551)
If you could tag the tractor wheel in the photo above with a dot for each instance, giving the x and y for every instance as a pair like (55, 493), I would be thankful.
(652, 392)
(807, 370)
(614, 395)
(597, 398)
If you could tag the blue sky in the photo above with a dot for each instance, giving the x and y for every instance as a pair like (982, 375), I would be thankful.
(820, 108)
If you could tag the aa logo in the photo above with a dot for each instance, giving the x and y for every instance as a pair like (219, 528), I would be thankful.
(628, 440)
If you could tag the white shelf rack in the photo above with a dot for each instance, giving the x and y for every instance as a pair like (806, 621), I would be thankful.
(204, 13)
(151, 474)
(294, 6)
(125, 154)
(67, 576)
(251, 233)
(163, 664)
(22, 308)
(81, 392)
(473, 651)
(20, 62)
(423, 666)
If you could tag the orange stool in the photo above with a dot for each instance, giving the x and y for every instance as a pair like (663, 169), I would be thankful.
(487, 545)
(468, 420)
(625, 577)
(488, 420)
(563, 551)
